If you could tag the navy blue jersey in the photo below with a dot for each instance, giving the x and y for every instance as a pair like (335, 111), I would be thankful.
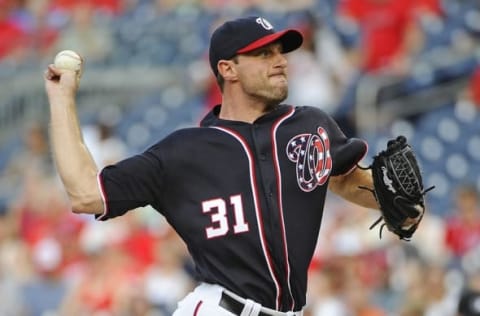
(247, 199)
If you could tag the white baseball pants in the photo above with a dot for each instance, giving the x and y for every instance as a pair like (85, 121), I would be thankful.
(204, 301)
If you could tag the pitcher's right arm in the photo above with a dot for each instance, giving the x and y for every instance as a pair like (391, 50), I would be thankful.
(74, 163)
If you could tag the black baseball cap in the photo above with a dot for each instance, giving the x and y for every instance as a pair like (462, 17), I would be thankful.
(246, 34)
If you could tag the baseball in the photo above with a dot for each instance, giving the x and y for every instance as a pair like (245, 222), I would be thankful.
(68, 59)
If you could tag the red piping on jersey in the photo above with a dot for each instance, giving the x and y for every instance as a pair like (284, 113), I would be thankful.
(104, 199)
(258, 212)
(279, 197)
(197, 308)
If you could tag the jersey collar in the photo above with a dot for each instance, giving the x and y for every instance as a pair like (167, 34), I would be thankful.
(212, 119)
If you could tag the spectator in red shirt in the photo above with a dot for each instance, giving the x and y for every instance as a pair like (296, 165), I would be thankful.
(388, 30)
(38, 26)
(12, 37)
(474, 87)
(463, 227)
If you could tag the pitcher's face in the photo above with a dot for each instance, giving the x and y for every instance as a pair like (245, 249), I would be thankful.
(262, 73)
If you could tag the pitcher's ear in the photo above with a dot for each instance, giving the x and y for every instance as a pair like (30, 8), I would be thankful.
(227, 69)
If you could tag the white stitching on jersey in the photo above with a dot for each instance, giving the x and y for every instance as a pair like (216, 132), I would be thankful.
(279, 189)
(257, 207)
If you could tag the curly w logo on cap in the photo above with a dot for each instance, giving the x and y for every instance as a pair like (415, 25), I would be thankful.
(263, 22)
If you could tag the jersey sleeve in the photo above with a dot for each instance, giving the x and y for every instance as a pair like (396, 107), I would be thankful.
(346, 152)
(131, 183)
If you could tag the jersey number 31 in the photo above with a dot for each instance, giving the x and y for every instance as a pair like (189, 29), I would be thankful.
(217, 209)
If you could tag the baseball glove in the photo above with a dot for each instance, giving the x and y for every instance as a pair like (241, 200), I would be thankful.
(398, 188)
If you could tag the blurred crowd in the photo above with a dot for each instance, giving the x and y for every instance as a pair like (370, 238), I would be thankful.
(53, 262)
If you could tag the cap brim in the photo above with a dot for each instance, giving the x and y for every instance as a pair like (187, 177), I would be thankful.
(291, 39)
